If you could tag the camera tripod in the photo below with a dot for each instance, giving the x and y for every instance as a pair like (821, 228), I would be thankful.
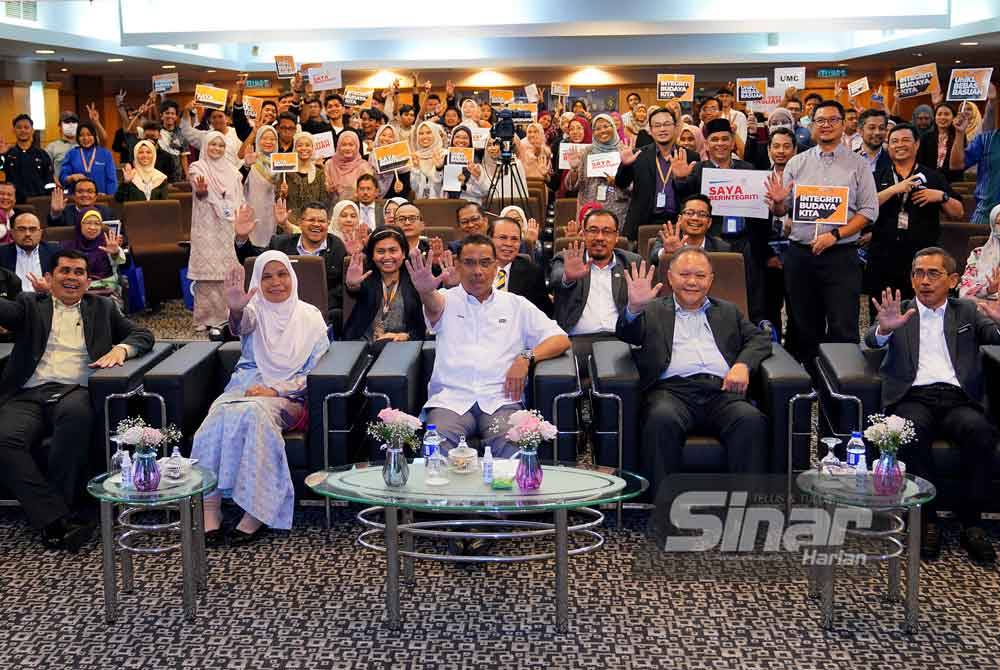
(499, 189)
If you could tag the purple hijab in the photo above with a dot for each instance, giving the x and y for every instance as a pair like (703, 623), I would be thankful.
(97, 259)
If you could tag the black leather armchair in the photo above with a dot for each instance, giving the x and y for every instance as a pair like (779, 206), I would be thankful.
(851, 391)
(776, 387)
(191, 379)
(400, 374)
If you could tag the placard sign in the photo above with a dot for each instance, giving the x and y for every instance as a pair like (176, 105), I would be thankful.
(559, 90)
(461, 155)
(210, 96)
(252, 106)
(969, 83)
(565, 149)
(284, 66)
(820, 204)
(736, 192)
(355, 96)
(857, 87)
(167, 83)
(501, 97)
(286, 162)
(480, 136)
(389, 157)
(917, 80)
(326, 77)
(603, 164)
(787, 77)
(751, 89)
(323, 146)
(675, 87)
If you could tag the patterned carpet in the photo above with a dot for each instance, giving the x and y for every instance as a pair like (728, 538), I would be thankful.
(313, 599)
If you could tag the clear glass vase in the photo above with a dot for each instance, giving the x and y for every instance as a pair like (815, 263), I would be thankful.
(145, 471)
(887, 479)
(529, 470)
(395, 470)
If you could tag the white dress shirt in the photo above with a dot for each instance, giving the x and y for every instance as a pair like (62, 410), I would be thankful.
(28, 262)
(305, 252)
(934, 364)
(366, 214)
(65, 359)
(600, 314)
(477, 343)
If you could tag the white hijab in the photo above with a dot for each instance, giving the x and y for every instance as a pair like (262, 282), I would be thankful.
(286, 333)
(989, 257)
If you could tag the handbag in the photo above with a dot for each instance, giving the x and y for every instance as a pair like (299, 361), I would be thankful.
(136, 289)
(187, 290)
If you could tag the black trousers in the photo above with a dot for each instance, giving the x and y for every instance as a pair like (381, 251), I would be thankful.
(678, 406)
(823, 297)
(24, 421)
(946, 411)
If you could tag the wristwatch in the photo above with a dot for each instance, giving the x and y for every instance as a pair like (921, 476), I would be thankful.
(528, 355)
(945, 197)
(836, 233)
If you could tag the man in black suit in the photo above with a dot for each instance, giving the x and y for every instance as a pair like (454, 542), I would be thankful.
(653, 174)
(931, 375)
(696, 357)
(516, 273)
(84, 195)
(62, 336)
(315, 240)
(589, 283)
(691, 230)
(29, 257)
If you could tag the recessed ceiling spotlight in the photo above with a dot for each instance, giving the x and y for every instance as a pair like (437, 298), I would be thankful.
(210, 71)
(64, 69)
(918, 54)
(969, 44)
(44, 52)
(115, 60)
(168, 67)
(957, 62)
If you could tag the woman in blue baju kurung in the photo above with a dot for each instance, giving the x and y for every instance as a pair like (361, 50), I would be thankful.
(241, 438)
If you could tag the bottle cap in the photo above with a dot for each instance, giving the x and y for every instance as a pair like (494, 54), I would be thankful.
(432, 426)
(488, 451)
(856, 433)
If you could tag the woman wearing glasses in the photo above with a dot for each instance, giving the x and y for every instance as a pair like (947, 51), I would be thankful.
(593, 184)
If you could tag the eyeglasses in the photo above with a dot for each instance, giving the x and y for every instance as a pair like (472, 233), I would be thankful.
(471, 263)
(603, 232)
(661, 126)
(407, 219)
(22, 229)
(695, 214)
(473, 219)
(828, 121)
(933, 275)
(85, 191)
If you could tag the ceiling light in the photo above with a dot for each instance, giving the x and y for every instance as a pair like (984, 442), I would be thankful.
(168, 67)
(44, 52)
(64, 69)
(115, 60)
(841, 64)
(210, 71)
(957, 62)
(918, 54)
(969, 44)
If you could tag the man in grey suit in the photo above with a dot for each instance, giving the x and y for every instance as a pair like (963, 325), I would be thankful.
(931, 376)
(589, 283)
(695, 359)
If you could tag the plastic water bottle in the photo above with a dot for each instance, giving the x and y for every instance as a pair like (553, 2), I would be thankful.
(856, 458)
(488, 465)
(432, 441)
(175, 464)
(126, 463)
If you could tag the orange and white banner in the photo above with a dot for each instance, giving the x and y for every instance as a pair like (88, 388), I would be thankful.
(210, 96)
(675, 87)
(391, 157)
(500, 97)
(918, 80)
(284, 66)
(461, 155)
(358, 96)
(286, 162)
(820, 204)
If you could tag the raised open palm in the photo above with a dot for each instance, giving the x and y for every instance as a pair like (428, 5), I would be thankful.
(356, 270)
(236, 297)
(670, 235)
(679, 165)
(574, 267)
(890, 316)
(421, 276)
(640, 286)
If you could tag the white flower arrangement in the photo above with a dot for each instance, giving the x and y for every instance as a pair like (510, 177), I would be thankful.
(135, 432)
(889, 433)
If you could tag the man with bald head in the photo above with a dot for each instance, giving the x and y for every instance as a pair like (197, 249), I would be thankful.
(28, 256)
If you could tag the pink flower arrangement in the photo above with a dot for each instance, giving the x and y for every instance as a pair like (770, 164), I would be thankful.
(395, 427)
(134, 431)
(528, 428)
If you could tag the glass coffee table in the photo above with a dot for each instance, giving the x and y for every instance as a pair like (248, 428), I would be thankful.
(185, 495)
(471, 509)
(844, 491)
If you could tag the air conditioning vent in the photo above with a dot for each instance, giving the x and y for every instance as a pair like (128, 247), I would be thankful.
(26, 10)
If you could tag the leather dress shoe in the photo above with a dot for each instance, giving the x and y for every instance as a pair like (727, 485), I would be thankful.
(65, 535)
(977, 543)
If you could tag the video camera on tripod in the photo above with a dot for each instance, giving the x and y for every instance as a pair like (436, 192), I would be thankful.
(503, 131)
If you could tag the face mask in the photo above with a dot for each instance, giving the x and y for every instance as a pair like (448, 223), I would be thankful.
(69, 129)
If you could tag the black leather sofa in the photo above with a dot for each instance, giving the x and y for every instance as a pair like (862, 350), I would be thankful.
(850, 385)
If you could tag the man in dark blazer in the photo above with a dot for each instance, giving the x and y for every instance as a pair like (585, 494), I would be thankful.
(691, 230)
(589, 283)
(84, 195)
(654, 172)
(931, 375)
(61, 337)
(35, 255)
(695, 360)
(314, 240)
(516, 273)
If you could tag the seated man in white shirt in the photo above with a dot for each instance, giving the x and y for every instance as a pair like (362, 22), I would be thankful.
(486, 341)
(28, 257)
(62, 337)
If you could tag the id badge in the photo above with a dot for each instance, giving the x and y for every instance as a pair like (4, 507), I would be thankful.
(661, 200)
(227, 212)
(733, 225)
(602, 192)
(903, 222)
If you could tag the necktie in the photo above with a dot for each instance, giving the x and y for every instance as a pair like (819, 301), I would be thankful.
(501, 283)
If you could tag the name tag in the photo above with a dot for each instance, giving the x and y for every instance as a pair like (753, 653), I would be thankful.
(602, 192)
(903, 222)
(661, 200)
